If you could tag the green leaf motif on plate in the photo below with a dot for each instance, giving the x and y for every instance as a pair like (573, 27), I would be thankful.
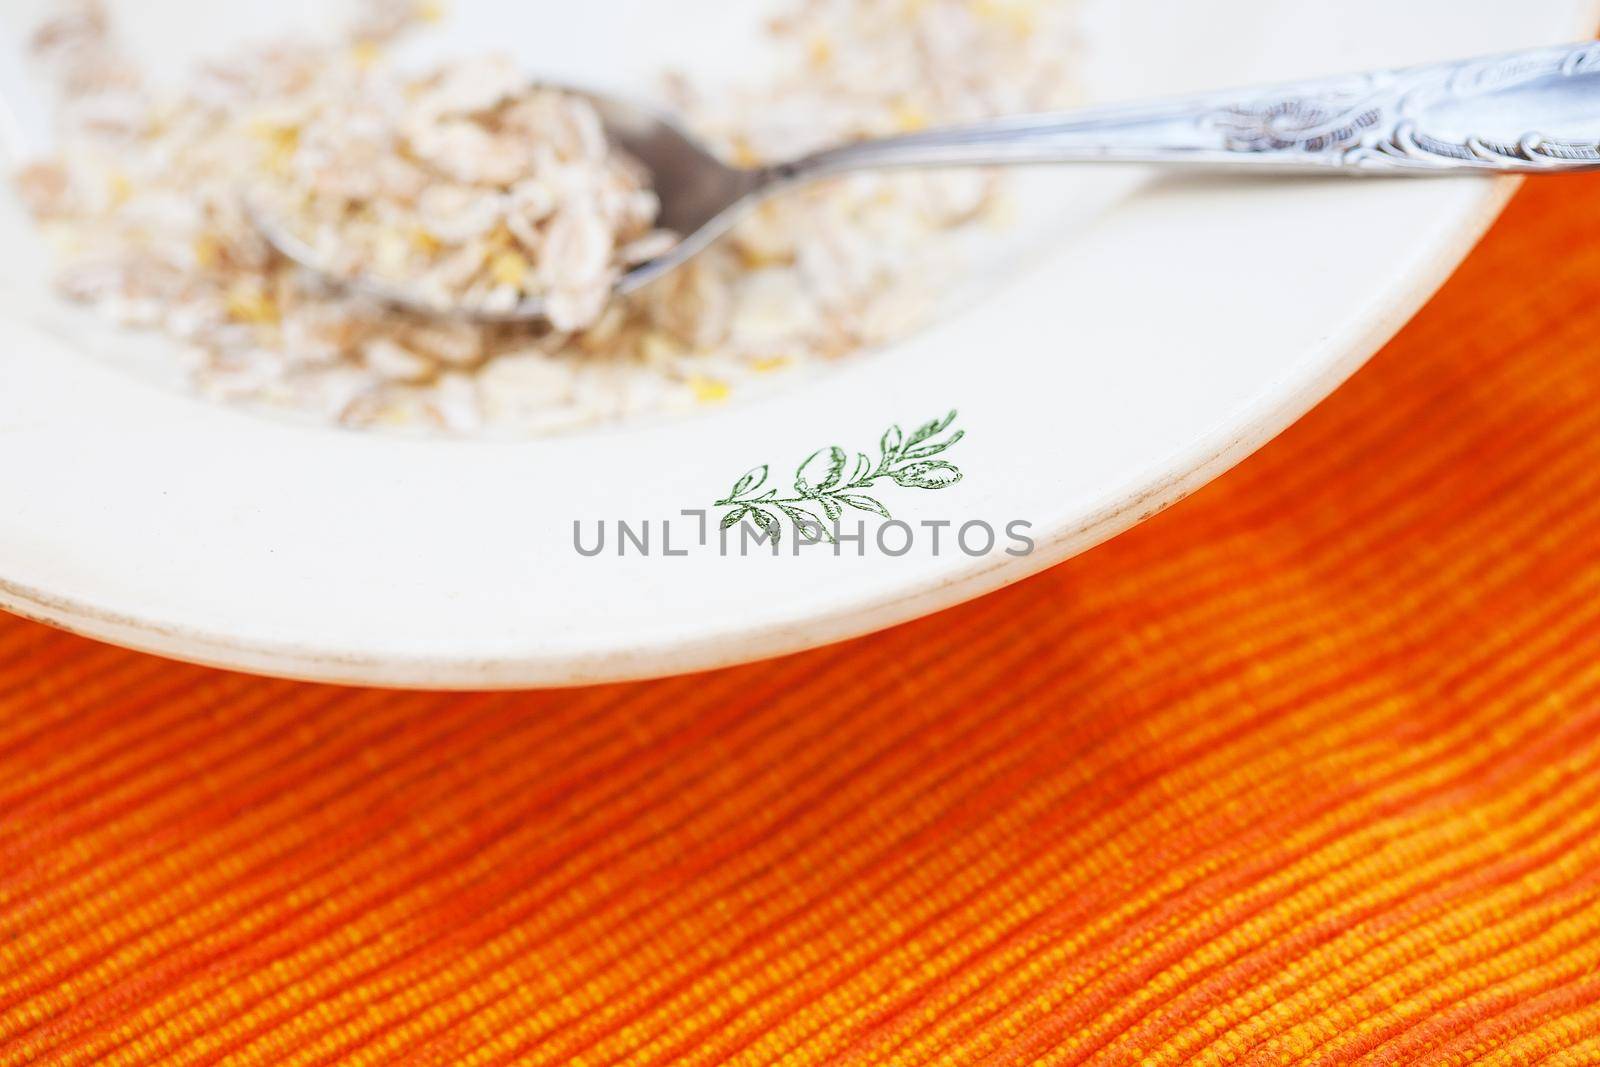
(824, 491)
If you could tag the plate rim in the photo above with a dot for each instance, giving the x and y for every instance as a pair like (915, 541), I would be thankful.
(1188, 470)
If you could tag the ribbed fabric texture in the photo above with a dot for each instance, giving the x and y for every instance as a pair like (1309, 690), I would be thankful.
(1305, 770)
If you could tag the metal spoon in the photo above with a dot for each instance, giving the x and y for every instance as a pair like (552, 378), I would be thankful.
(1530, 112)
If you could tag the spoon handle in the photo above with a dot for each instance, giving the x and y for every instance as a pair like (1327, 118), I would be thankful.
(1524, 112)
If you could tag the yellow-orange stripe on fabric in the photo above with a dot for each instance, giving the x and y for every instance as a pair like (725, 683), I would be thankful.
(1306, 770)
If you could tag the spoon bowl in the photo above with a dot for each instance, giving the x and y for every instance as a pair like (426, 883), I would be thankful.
(701, 198)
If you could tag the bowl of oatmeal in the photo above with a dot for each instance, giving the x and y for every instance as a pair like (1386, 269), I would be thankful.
(451, 174)
(220, 457)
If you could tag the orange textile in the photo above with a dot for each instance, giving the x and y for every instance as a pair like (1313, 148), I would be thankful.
(1305, 770)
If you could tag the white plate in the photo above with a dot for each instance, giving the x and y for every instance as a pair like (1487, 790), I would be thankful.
(1153, 337)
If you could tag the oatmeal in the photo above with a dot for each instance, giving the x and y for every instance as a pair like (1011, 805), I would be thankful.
(474, 185)
(464, 186)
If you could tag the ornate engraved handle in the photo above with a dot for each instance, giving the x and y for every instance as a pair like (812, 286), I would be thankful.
(1533, 111)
